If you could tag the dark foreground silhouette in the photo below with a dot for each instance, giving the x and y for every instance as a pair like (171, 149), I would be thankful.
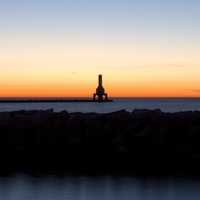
(143, 142)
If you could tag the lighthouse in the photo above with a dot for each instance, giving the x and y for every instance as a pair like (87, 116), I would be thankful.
(100, 94)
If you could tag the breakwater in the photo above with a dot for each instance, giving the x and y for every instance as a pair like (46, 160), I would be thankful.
(138, 142)
(52, 101)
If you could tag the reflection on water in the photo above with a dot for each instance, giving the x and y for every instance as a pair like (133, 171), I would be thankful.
(97, 188)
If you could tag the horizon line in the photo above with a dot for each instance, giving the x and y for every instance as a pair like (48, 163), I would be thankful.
(75, 97)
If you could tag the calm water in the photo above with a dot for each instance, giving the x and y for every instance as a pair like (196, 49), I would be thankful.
(97, 188)
(165, 104)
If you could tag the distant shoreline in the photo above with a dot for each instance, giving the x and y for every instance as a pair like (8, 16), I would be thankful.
(83, 99)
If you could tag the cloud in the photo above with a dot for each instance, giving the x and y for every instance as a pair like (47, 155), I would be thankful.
(196, 90)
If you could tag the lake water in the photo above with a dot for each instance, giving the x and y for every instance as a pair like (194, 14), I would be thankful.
(98, 188)
(165, 104)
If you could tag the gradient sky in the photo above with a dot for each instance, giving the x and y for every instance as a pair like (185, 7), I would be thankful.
(58, 47)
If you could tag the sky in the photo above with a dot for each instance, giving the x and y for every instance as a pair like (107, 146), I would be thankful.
(143, 48)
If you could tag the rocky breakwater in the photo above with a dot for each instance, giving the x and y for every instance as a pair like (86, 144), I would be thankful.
(138, 142)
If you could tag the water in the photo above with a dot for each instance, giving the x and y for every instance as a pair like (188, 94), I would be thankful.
(97, 188)
(165, 104)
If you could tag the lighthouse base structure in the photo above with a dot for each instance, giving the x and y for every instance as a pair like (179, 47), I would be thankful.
(100, 98)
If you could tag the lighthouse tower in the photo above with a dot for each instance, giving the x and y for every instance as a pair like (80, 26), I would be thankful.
(100, 94)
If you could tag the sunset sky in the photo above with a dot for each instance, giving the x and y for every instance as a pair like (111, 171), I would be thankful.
(58, 47)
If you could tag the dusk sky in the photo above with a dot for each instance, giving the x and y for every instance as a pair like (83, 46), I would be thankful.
(58, 47)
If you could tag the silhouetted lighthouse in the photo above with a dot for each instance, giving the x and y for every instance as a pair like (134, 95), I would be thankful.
(100, 94)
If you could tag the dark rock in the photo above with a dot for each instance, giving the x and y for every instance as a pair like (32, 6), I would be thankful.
(144, 141)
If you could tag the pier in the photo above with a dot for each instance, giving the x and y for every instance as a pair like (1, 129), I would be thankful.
(50, 101)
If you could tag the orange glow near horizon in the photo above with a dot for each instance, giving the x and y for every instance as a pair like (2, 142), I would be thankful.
(87, 90)
(73, 71)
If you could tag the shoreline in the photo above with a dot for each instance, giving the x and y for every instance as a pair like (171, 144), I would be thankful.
(142, 142)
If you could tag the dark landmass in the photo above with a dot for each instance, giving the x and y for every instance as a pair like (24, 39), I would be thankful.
(142, 142)
(52, 101)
